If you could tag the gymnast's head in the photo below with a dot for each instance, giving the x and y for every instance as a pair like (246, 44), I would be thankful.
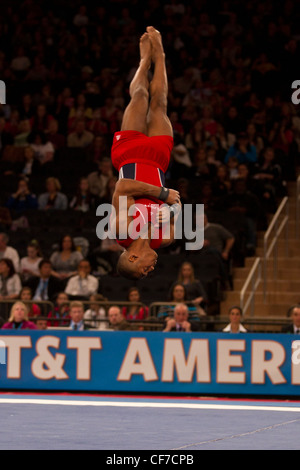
(134, 264)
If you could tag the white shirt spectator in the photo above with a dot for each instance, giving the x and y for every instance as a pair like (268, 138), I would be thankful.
(93, 316)
(12, 254)
(12, 286)
(82, 286)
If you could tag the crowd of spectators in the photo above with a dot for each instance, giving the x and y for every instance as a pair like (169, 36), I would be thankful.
(67, 69)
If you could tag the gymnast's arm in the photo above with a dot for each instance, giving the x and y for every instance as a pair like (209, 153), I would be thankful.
(135, 189)
(176, 210)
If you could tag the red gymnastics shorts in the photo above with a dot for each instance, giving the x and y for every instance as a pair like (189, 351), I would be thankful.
(142, 158)
(133, 147)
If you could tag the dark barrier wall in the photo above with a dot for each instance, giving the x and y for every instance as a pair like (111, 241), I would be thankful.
(152, 362)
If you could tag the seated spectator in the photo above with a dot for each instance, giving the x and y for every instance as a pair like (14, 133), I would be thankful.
(294, 326)
(66, 258)
(135, 312)
(242, 150)
(235, 318)
(42, 147)
(26, 107)
(53, 198)
(281, 136)
(269, 172)
(60, 316)
(178, 295)
(179, 321)
(41, 323)
(99, 148)
(8, 251)
(117, 320)
(57, 139)
(98, 180)
(180, 157)
(222, 183)
(21, 137)
(22, 199)
(44, 286)
(79, 110)
(40, 120)
(82, 284)
(232, 165)
(96, 313)
(30, 166)
(76, 315)
(18, 319)
(202, 169)
(20, 63)
(26, 297)
(10, 283)
(29, 265)
(194, 289)
(98, 127)
(83, 200)
(80, 137)
(254, 138)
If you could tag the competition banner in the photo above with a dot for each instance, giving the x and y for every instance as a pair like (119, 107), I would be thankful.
(150, 362)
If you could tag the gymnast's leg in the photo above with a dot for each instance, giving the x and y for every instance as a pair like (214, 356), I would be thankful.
(157, 119)
(135, 115)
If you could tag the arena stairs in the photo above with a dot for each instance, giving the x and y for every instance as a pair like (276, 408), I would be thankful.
(283, 291)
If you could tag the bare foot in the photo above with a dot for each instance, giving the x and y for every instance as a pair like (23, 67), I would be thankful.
(145, 49)
(156, 42)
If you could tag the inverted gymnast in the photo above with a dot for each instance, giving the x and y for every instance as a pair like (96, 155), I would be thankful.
(141, 154)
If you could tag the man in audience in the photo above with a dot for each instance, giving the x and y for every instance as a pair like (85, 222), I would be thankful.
(180, 321)
(45, 286)
(83, 284)
(294, 327)
(76, 314)
(218, 237)
(117, 320)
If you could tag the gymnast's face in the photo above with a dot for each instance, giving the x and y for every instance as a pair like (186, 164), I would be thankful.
(145, 264)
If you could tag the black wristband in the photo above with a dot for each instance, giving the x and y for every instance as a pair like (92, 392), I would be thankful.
(164, 194)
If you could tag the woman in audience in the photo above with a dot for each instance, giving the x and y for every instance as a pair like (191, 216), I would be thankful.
(65, 260)
(29, 265)
(26, 297)
(53, 198)
(10, 283)
(135, 311)
(18, 319)
(60, 316)
(235, 318)
(178, 295)
(83, 200)
(195, 291)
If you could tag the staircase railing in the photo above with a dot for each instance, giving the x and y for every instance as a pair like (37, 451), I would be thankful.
(278, 223)
(253, 280)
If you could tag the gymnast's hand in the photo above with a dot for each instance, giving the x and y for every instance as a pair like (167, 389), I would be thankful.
(173, 197)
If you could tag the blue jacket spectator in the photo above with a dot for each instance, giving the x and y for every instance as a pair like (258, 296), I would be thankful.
(22, 199)
(242, 150)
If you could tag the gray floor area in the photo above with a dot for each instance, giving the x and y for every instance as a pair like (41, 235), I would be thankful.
(26, 426)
